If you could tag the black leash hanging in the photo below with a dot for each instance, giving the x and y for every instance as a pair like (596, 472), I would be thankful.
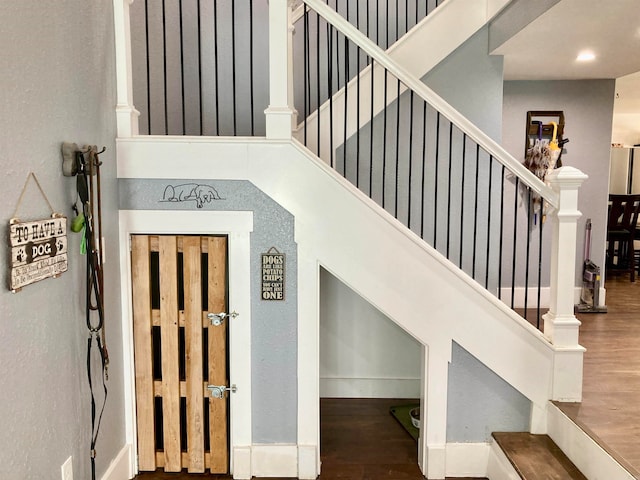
(94, 299)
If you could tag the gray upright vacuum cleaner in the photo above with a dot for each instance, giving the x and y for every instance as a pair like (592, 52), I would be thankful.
(590, 294)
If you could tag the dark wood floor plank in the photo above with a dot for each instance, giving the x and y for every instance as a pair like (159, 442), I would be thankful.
(537, 457)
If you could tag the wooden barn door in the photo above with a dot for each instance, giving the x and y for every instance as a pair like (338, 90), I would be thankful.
(178, 281)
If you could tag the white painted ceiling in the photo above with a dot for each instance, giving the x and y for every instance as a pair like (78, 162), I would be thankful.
(547, 48)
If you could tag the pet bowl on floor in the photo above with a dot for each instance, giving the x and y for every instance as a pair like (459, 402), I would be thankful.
(414, 413)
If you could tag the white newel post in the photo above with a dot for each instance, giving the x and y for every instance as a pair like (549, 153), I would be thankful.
(280, 115)
(126, 114)
(561, 326)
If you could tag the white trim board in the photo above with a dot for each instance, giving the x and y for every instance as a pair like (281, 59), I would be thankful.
(467, 459)
(238, 226)
(590, 458)
(120, 466)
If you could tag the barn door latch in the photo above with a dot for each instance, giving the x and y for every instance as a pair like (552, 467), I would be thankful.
(218, 391)
(217, 319)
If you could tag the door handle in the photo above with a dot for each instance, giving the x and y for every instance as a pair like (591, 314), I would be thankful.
(217, 319)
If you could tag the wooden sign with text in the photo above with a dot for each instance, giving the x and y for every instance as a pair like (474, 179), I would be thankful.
(38, 250)
(273, 267)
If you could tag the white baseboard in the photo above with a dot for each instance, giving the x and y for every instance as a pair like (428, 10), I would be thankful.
(241, 464)
(339, 387)
(436, 461)
(590, 458)
(308, 462)
(120, 467)
(274, 461)
(467, 459)
(498, 466)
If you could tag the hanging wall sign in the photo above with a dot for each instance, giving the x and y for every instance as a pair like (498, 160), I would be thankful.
(273, 267)
(38, 250)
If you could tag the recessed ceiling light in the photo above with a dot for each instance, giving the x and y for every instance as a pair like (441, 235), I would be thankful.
(586, 56)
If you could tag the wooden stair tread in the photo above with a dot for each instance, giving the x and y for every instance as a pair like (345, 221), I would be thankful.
(536, 456)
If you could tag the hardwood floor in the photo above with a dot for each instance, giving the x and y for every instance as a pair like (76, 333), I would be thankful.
(610, 408)
(361, 440)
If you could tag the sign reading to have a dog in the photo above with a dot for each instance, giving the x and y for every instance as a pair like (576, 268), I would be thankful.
(38, 250)
(273, 266)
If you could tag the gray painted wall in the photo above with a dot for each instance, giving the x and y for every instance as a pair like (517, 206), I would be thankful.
(480, 402)
(274, 338)
(58, 84)
(588, 110)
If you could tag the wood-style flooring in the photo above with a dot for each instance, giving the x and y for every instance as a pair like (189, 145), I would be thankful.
(361, 440)
(610, 408)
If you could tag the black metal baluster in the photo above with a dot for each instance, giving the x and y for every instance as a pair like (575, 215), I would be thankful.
(406, 16)
(347, 61)
(386, 46)
(449, 188)
(435, 183)
(410, 157)
(462, 209)
(384, 137)
(424, 165)
(501, 234)
(371, 132)
(528, 249)
(184, 116)
(306, 82)
(233, 69)
(397, 33)
(515, 240)
(200, 71)
(318, 142)
(358, 109)
(330, 86)
(215, 57)
(395, 211)
(164, 51)
(539, 273)
(251, 93)
(146, 30)
(475, 213)
(490, 207)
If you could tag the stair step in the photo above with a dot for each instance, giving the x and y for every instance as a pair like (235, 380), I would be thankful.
(536, 456)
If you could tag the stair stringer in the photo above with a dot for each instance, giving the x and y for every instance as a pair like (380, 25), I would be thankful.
(340, 228)
(398, 273)
(435, 32)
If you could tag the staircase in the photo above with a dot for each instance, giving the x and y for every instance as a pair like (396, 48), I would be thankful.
(565, 452)
(415, 281)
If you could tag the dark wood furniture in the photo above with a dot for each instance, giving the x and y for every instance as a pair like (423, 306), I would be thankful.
(621, 233)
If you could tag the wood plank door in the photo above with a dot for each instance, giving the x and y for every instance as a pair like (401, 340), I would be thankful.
(176, 282)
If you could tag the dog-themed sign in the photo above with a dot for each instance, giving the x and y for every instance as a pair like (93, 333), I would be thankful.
(38, 250)
(273, 268)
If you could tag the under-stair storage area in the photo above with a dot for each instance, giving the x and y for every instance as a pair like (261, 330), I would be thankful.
(420, 255)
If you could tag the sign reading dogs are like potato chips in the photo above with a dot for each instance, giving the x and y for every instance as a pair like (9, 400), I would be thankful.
(38, 250)
(273, 268)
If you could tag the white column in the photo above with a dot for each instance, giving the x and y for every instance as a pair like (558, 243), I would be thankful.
(281, 116)
(433, 413)
(126, 114)
(561, 326)
(308, 363)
